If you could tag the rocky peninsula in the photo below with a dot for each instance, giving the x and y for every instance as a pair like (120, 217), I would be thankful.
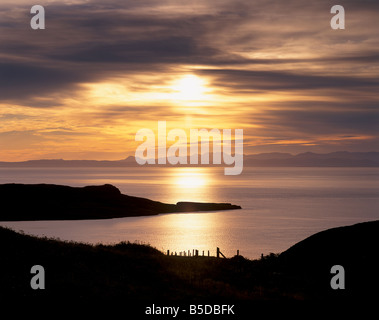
(25, 202)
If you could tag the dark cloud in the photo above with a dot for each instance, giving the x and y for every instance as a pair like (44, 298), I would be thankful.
(81, 40)
(330, 122)
(274, 80)
(243, 47)
(23, 80)
(162, 50)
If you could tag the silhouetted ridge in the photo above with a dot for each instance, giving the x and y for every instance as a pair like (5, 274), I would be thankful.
(349, 242)
(57, 202)
(134, 272)
(354, 247)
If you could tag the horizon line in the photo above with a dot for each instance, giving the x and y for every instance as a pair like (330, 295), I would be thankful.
(210, 153)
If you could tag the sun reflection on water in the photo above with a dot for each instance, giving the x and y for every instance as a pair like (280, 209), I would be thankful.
(186, 181)
(191, 184)
(190, 231)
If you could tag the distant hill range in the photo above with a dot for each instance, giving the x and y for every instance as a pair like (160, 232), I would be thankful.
(57, 202)
(274, 159)
(309, 159)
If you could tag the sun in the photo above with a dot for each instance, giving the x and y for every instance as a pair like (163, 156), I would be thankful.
(190, 87)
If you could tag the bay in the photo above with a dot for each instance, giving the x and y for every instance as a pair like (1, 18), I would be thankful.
(281, 206)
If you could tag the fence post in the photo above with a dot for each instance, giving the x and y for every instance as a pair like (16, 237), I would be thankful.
(238, 252)
(168, 252)
(219, 253)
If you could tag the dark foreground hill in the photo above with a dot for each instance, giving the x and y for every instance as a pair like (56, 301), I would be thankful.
(56, 202)
(355, 247)
(139, 272)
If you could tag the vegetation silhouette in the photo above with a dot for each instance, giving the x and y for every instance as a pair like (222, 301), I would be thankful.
(142, 273)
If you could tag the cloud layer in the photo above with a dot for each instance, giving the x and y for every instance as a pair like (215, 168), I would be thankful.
(102, 70)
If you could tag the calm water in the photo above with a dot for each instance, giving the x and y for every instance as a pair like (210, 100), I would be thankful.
(281, 206)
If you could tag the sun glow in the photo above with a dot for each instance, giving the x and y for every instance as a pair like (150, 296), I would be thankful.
(190, 87)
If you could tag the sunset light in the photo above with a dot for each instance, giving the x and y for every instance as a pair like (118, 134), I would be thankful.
(190, 182)
(189, 87)
(180, 156)
(190, 178)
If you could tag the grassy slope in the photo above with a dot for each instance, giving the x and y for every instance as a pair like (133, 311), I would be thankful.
(140, 272)
(128, 270)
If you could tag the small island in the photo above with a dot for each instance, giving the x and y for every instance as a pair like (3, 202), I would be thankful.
(26, 202)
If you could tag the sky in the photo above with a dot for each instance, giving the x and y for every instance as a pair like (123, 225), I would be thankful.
(102, 70)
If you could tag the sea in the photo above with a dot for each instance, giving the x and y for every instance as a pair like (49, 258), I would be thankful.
(280, 206)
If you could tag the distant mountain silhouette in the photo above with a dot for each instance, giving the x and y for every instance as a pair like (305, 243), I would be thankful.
(274, 159)
(57, 202)
(130, 161)
(309, 159)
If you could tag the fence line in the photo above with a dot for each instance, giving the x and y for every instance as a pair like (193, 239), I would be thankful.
(195, 253)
